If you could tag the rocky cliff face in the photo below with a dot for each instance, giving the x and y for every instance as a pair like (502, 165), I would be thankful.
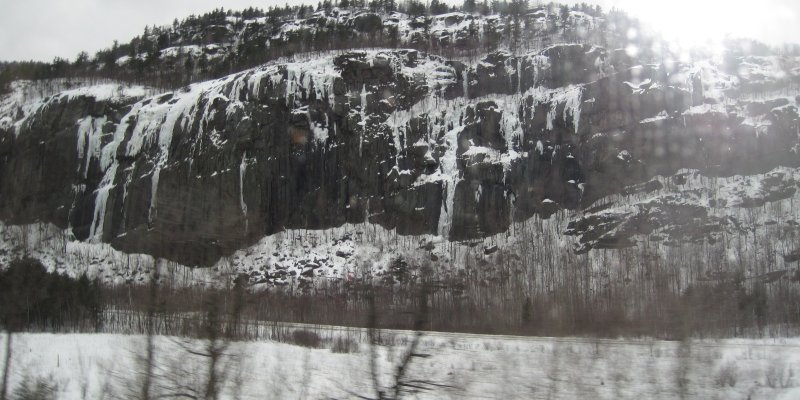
(399, 138)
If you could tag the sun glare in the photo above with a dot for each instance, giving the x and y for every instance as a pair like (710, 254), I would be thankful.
(706, 23)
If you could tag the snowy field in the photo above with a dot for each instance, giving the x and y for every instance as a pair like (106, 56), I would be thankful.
(104, 366)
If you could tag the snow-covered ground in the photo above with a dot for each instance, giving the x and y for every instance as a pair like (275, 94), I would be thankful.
(455, 366)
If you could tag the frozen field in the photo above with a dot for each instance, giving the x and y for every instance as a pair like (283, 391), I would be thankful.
(97, 366)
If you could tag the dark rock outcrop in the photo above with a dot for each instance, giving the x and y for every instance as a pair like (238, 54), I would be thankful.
(394, 137)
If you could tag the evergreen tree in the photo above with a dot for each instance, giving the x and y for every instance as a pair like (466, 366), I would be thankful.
(484, 8)
(469, 6)
(518, 8)
(437, 8)
(564, 15)
(415, 8)
(203, 63)
(188, 66)
(81, 61)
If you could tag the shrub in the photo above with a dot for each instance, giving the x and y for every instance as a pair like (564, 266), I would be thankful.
(306, 339)
(778, 376)
(344, 345)
(35, 389)
(726, 376)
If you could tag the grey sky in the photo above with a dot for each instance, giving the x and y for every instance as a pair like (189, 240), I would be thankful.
(43, 29)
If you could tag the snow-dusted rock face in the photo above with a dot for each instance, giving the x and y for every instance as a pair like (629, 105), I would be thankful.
(684, 208)
(48, 143)
(398, 138)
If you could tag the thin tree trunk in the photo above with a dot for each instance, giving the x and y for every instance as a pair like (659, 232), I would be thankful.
(148, 373)
(6, 367)
(149, 360)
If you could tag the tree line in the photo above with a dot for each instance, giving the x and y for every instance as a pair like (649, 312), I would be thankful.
(36, 300)
(141, 60)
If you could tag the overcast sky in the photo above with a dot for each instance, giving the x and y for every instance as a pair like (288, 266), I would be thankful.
(43, 29)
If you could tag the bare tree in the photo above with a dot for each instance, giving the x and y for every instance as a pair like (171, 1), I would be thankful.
(214, 351)
(217, 332)
(149, 358)
(400, 384)
(6, 365)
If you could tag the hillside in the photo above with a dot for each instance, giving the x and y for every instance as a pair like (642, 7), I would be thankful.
(218, 43)
(568, 157)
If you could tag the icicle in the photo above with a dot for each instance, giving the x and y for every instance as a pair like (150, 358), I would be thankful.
(153, 193)
(242, 203)
(449, 169)
(465, 78)
(242, 171)
(573, 104)
(100, 203)
(551, 114)
(363, 122)
(289, 86)
(84, 130)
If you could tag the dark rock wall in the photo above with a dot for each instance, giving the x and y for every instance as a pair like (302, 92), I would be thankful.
(193, 175)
